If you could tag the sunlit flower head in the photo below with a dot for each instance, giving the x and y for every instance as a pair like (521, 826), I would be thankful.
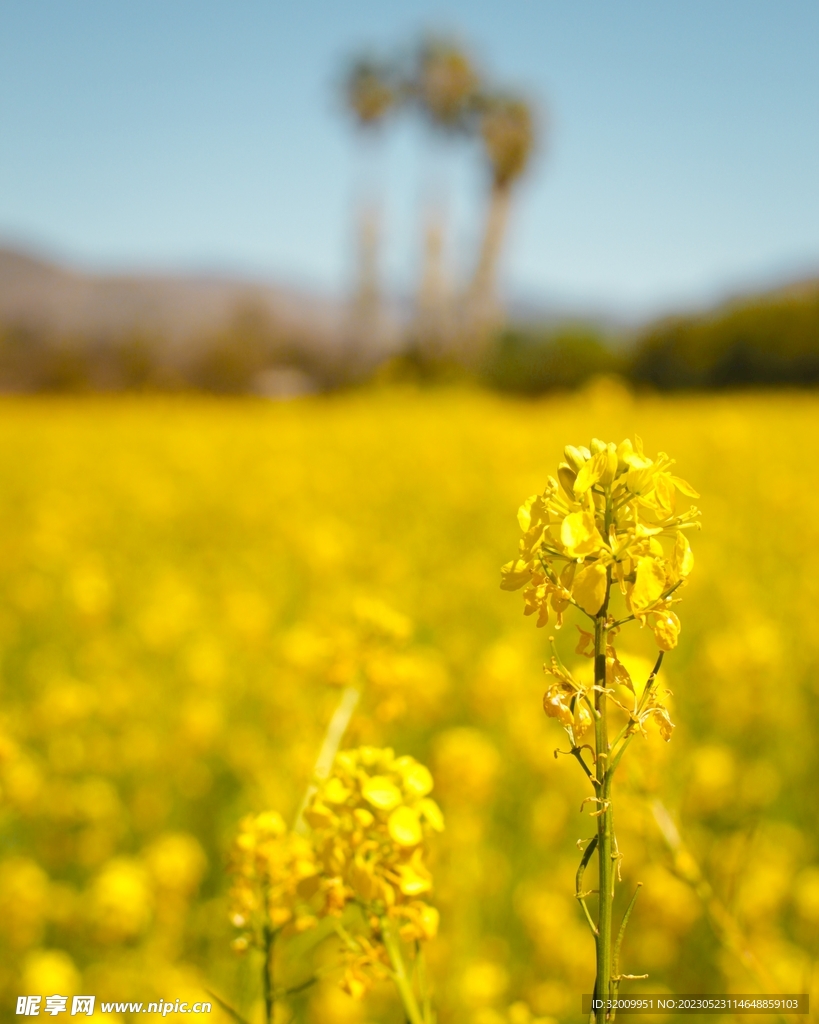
(274, 875)
(612, 515)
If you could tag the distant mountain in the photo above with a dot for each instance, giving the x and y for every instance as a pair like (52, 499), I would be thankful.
(185, 308)
(182, 309)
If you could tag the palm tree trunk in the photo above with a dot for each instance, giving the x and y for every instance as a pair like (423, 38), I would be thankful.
(366, 325)
(482, 307)
(368, 290)
(431, 317)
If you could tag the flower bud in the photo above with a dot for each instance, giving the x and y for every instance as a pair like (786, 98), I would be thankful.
(567, 477)
(575, 457)
(609, 473)
(624, 449)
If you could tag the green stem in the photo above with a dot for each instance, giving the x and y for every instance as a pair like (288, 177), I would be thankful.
(269, 945)
(423, 984)
(575, 752)
(605, 826)
(336, 728)
(399, 974)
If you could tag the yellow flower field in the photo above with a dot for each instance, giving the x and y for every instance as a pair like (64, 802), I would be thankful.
(189, 584)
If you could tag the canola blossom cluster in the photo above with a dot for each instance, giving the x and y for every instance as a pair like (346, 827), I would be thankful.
(611, 516)
(370, 822)
(274, 875)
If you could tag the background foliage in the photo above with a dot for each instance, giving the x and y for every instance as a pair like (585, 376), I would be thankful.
(762, 341)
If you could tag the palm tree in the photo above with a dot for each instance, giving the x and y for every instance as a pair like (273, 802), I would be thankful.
(370, 94)
(507, 130)
(445, 85)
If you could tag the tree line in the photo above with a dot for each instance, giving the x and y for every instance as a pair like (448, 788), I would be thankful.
(762, 341)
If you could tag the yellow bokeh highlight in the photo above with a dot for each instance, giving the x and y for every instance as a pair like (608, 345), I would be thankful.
(189, 585)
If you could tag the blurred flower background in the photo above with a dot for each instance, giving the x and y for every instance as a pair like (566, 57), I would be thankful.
(190, 582)
(187, 584)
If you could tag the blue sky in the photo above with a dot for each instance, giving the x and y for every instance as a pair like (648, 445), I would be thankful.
(681, 159)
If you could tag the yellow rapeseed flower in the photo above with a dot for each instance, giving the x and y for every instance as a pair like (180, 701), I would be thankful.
(371, 819)
(611, 513)
(274, 875)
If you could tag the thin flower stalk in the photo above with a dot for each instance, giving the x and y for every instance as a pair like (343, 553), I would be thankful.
(402, 980)
(608, 526)
(336, 728)
(267, 971)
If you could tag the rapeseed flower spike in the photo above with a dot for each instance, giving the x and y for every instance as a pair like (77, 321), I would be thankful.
(274, 875)
(582, 721)
(365, 963)
(614, 524)
(617, 529)
(413, 883)
(372, 850)
(418, 921)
